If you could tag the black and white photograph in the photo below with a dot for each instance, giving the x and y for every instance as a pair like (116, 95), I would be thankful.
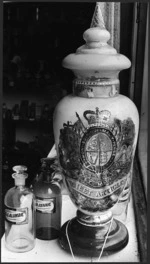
(74, 131)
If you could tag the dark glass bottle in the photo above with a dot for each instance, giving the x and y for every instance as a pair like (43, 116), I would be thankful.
(47, 190)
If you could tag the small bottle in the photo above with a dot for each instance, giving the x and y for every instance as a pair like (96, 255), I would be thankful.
(19, 214)
(47, 191)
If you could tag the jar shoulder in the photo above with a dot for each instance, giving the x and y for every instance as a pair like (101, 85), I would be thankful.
(118, 103)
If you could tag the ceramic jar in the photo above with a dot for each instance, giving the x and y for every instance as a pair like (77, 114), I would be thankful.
(96, 129)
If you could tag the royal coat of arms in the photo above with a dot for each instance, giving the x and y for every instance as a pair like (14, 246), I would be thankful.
(96, 155)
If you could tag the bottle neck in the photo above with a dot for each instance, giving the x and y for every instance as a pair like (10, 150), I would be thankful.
(47, 170)
(20, 182)
(96, 88)
(47, 177)
(20, 187)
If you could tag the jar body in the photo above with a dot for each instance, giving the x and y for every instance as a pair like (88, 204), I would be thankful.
(19, 219)
(95, 141)
(48, 210)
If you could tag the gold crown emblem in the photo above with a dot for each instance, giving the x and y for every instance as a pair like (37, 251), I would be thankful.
(97, 117)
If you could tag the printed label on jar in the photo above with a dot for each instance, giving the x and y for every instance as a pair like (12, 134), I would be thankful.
(96, 154)
(96, 193)
(46, 205)
(16, 216)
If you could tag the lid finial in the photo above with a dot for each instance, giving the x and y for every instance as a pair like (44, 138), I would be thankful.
(97, 19)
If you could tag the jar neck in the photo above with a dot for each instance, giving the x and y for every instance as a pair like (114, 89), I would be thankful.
(97, 88)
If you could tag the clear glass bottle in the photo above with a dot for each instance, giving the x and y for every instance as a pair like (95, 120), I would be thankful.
(19, 214)
(47, 190)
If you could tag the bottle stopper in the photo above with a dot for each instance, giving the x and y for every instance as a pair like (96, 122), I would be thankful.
(19, 175)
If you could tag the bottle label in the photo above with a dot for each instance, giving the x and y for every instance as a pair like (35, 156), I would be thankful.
(16, 216)
(46, 205)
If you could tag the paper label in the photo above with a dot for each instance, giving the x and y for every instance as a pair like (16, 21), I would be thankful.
(16, 216)
(46, 205)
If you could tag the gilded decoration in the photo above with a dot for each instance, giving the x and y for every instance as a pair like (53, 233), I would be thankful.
(96, 154)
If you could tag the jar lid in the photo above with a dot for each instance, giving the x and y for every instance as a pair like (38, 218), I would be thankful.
(96, 58)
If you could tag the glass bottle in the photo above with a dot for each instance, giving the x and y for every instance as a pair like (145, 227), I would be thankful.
(48, 201)
(19, 214)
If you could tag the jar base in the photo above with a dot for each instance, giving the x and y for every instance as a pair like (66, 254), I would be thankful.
(88, 241)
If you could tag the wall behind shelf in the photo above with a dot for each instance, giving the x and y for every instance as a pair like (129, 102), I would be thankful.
(41, 35)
